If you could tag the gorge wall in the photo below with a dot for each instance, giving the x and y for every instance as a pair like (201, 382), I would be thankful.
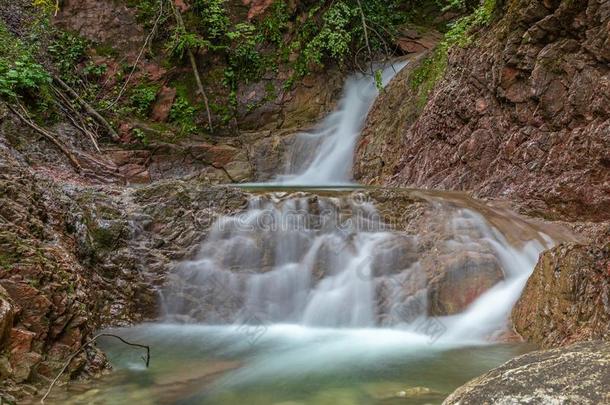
(521, 112)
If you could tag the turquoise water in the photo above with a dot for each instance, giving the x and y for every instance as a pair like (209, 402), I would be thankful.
(283, 364)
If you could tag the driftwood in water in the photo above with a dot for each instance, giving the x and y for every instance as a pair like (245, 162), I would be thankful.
(90, 341)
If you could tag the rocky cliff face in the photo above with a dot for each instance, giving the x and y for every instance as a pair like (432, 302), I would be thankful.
(76, 256)
(567, 298)
(524, 111)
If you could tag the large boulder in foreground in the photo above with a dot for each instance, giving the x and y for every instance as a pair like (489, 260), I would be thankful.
(567, 298)
(578, 374)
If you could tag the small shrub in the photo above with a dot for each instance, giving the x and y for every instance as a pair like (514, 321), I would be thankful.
(183, 114)
(142, 98)
(20, 74)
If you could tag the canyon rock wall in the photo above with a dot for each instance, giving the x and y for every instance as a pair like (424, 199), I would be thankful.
(522, 112)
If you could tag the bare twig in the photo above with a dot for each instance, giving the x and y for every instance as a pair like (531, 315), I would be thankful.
(191, 56)
(90, 110)
(76, 353)
(47, 135)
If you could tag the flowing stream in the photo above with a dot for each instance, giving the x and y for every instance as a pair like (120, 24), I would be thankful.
(332, 293)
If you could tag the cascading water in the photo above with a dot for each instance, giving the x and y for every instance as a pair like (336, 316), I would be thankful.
(332, 143)
(333, 262)
(324, 296)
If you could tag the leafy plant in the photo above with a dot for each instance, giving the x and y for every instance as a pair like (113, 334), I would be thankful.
(142, 98)
(183, 114)
(141, 136)
(20, 74)
(214, 21)
(67, 51)
(181, 41)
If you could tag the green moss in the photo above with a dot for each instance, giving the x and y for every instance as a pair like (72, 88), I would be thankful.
(106, 239)
(424, 78)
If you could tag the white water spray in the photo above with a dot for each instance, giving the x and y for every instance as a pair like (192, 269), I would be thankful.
(316, 285)
(331, 145)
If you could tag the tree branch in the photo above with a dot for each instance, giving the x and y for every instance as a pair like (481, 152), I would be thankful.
(191, 56)
(90, 110)
(80, 349)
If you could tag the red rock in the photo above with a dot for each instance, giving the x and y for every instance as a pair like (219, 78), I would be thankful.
(23, 364)
(566, 298)
(410, 46)
(181, 5)
(135, 173)
(550, 94)
(163, 104)
(257, 7)
(21, 340)
(35, 307)
(216, 155)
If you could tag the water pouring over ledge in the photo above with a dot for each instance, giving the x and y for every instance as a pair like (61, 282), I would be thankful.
(335, 294)
(331, 145)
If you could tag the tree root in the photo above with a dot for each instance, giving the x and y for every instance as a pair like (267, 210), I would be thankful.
(48, 135)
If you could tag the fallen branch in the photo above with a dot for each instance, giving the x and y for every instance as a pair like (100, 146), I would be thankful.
(82, 127)
(191, 56)
(92, 340)
(47, 135)
(90, 110)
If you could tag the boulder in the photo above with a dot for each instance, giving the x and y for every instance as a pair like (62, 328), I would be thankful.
(567, 298)
(577, 374)
(461, 279)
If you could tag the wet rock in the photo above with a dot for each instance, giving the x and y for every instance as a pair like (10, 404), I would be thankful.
(567, 298)
(577, 374)
(461, 279)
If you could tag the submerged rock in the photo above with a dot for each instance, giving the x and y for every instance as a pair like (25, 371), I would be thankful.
(577, 374)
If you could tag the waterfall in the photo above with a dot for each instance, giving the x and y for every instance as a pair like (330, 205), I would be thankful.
(332, 262)
(327, 294)
(329, 260)
(332, 143)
